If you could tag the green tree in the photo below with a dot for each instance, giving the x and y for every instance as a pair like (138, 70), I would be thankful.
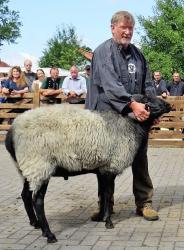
(9, 23)
(163, 39)
(63, 50)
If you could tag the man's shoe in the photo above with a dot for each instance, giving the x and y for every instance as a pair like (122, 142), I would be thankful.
(147, 212)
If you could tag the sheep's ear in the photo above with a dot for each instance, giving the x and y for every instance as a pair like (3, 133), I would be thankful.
(149, 94)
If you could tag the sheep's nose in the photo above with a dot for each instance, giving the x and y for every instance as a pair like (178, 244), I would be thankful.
(170, 107)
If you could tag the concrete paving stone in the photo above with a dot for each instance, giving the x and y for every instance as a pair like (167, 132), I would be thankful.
(7, 241)
(101, 244)
(69, 205)
(28, 239)
(179, 244)
(79, 236)
(138, 236)
(151, 241)
(116, 248)
(9, 246)
(66, 233)
(166, 245)
(75, 248)
(180, 232)
(90, 240)
(51, 247)
(37, 244)
(119, 243)
(141, 248)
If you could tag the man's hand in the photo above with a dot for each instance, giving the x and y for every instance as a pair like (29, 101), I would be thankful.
(164, 94)
(5, 91)
(48, 92)
(139, 111)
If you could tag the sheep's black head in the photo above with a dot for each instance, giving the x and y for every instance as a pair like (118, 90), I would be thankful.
(155, 105)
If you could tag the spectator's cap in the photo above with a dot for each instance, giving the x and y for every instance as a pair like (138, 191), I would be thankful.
(87, 67)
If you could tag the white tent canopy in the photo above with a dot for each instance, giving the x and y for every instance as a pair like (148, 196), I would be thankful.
(62, 72)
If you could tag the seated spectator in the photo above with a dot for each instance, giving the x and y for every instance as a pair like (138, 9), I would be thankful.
(176, 86)
(40, 78)
(15, 84)
(74, 85)
(29, 75)
(160, 85)
(52, 86)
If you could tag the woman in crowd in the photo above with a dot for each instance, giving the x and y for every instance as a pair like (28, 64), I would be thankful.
(40, 77)
(16, 83)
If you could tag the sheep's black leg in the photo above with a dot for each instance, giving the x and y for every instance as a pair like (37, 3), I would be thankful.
(106, 191)
(28, 204)
(38, 200)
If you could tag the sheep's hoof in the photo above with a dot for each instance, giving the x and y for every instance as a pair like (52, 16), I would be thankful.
(109, 224)
(35, 224)
(52, 240)
(97, 217)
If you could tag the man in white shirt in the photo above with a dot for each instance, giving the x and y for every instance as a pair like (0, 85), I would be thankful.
(74, 85)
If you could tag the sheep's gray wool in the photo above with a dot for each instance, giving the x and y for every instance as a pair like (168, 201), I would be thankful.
(74, 139)
(66, 141)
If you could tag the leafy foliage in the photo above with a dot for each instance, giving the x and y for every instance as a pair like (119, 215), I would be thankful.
(63, 50)
(9, 23)
(163, 39)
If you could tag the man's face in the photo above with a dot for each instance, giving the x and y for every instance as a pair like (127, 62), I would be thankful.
(54, 73)
(157, 76)
(74, 73)
(122, 32)
(28, 66)
(176, 77)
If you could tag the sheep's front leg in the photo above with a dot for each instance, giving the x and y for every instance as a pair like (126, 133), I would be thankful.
(40, 212)
(105, 192)
(28, 204)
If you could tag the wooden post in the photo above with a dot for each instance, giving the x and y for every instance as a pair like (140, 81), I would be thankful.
(36, 97)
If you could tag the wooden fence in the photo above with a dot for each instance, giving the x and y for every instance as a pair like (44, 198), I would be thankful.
(170, 131)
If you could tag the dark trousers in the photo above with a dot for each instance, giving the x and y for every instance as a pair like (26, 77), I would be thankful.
(142, 184)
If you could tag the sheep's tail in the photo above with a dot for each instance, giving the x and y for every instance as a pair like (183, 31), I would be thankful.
(9, 143)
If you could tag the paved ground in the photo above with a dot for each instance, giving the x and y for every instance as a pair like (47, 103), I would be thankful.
(69, 205)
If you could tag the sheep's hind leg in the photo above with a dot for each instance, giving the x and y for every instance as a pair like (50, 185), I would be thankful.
(38, 200)
(28, 204)
(106, 191)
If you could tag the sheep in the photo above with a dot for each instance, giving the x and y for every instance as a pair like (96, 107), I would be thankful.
(66, 141)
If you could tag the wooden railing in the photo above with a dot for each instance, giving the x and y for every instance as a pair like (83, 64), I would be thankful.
(9, 111)
(170, 131)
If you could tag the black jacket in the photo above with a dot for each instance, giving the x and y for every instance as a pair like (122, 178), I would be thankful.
(110, 87)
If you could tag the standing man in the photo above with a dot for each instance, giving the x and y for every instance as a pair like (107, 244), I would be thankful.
(87, 74)
(118, 71)
(176, 87)
(29, 75)
(160, 85)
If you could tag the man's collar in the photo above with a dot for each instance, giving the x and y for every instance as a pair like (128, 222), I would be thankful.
(77, 78)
